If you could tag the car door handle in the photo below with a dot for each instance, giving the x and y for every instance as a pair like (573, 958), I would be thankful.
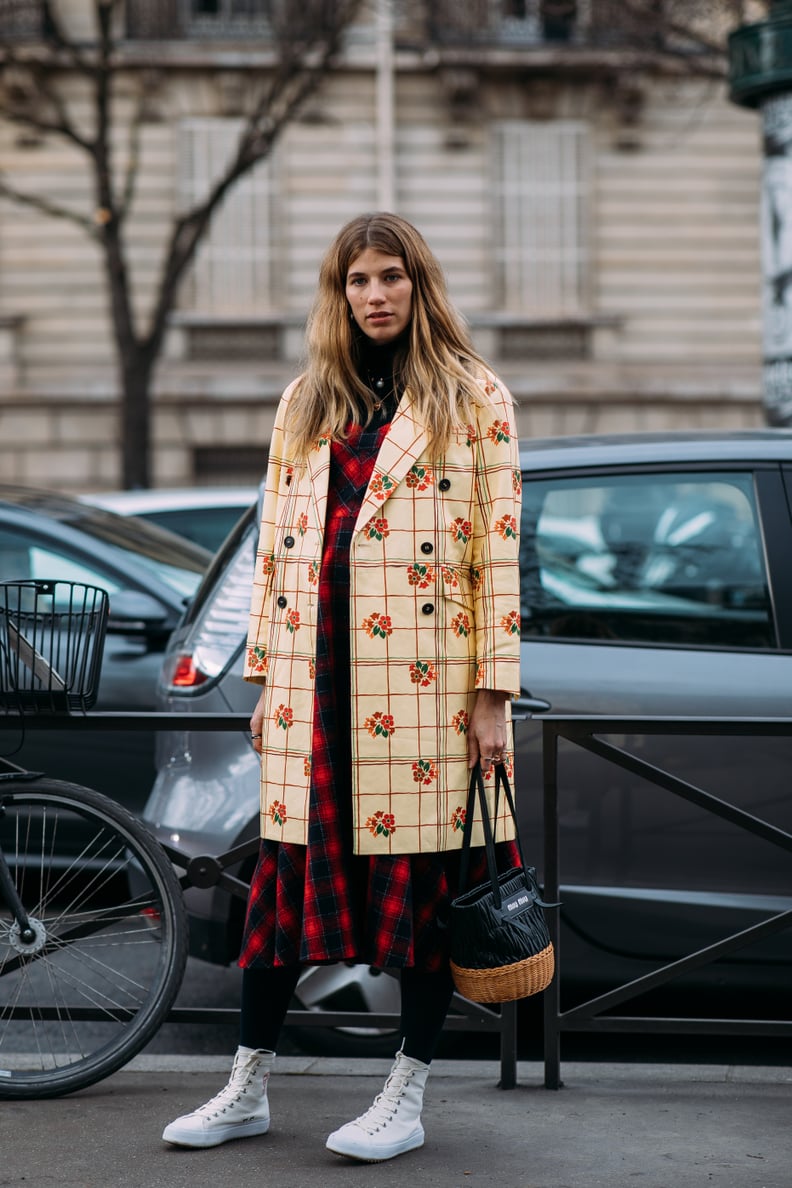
(526, 705)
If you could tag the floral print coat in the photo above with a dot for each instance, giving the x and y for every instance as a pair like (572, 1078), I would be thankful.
(435, 613)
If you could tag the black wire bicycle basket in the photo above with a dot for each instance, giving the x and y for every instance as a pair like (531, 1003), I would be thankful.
(51, 644)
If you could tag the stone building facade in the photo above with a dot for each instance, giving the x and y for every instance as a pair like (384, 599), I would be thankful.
(595, 213)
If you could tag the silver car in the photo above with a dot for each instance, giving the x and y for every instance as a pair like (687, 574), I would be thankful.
(656, 580)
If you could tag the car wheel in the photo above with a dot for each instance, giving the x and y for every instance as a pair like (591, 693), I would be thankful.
(351, 988)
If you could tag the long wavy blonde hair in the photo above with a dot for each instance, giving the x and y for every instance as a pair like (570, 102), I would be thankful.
(438, 363)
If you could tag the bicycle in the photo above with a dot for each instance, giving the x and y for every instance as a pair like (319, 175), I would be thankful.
(93, 930)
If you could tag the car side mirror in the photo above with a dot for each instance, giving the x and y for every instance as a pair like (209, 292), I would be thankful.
(133, 612)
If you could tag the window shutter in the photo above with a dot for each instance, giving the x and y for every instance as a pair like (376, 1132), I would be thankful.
(541, 226)
(233, 268)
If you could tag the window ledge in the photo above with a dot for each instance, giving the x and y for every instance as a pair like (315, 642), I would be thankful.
(505, 318)
(190, 318)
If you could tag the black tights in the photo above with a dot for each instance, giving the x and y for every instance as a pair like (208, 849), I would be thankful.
(267, 993)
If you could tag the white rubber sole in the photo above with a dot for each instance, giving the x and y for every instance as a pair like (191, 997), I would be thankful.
(186, 1136)
(352, 1148)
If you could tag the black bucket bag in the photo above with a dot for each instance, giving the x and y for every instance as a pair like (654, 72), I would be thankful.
(500, 948)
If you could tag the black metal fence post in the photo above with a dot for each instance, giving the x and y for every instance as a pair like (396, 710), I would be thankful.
(552, 995)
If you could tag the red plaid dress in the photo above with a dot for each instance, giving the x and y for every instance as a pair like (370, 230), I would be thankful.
(320, 902)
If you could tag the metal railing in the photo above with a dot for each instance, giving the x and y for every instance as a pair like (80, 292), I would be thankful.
(210, 870)
(589, 1016)
(586, 732)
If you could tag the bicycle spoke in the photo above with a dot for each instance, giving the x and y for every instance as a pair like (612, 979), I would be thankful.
(108, 946)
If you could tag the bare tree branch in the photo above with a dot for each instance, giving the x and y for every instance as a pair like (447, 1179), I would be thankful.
(26, 110)
(42, 124)
(654, 25)
(133, 160)
(306, 36)
(64, 123)
(306, 54)
(44, 206)
(57, 38)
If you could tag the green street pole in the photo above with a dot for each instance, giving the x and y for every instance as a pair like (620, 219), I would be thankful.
(760, 76)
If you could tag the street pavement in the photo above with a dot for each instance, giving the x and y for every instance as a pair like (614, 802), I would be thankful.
(611, 1126)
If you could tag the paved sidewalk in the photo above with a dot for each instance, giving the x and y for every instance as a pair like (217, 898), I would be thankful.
(612, 1126)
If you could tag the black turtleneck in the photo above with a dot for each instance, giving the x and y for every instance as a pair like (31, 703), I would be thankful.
(377, 368)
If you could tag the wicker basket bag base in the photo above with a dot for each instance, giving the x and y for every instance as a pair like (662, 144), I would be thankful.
(508, 982)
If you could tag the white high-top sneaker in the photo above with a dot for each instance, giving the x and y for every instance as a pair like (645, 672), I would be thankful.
(239, 1110)
(392, 1125)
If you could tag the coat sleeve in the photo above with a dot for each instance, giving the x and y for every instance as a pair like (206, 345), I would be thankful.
(255, 667)
(496, 561)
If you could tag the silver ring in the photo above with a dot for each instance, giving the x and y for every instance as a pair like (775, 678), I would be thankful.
(256, 736)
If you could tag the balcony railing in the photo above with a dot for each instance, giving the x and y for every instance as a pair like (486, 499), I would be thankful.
(214, 19)
(502, 21)
(20, 20)
(534, 22)
(451, 23)
(152, 20)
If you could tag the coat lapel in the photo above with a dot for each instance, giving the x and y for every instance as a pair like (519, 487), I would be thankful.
(403, 445)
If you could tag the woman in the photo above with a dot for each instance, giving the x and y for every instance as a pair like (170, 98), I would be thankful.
(385, 633)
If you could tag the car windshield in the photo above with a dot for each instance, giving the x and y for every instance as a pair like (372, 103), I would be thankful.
(175, 562)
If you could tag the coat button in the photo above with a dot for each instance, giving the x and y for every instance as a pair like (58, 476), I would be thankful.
(444, 484)
(283, 602)
(427, 547)
(288, 542)
(428, 608)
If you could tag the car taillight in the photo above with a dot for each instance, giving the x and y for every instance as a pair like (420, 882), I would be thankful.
(219, 628)
(186, 675)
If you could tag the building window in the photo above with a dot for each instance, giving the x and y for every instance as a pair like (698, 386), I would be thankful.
(233, 465)
(541, 197)
(226, 16)
(234, 268)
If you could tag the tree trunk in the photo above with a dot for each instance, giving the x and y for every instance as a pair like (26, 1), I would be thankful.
(136, 373)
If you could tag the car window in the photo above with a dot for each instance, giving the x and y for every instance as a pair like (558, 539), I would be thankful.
(207, 526)
(659, 558)
(22, 559)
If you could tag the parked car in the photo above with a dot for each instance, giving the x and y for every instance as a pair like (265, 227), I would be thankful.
(150, 575)
(204, 515)
(656, 580)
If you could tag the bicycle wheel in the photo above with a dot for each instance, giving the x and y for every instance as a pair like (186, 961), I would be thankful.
(110, 943)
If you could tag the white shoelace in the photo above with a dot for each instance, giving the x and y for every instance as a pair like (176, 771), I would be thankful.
(228, 1096)
(385, 1104)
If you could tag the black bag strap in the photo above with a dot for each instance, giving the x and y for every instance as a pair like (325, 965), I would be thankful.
(475, 789)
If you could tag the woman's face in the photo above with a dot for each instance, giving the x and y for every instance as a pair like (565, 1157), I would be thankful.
(379, 293)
